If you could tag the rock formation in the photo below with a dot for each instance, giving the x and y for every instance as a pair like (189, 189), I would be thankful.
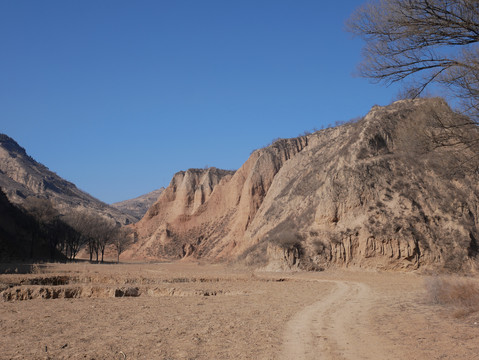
(392, 190)
(138, 206)
(21, 176)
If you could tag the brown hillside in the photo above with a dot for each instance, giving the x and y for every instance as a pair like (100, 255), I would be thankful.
(22, 236)
(380, 192)
(138, 206)
(21, 177)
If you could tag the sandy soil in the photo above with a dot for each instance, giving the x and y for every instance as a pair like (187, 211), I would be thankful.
(188, 311)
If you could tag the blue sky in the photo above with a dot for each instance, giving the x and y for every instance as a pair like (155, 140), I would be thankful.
(116, 96)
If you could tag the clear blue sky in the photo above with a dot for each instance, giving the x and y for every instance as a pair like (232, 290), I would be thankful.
(117, 96)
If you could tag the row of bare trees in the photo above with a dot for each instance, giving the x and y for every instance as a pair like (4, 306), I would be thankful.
(96, 233)
(69, 233)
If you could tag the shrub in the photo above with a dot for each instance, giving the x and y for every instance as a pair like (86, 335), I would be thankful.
(287, 239)
(463, 294)
(254, 256)
(454, 260)
(285, 235)
(319, 246)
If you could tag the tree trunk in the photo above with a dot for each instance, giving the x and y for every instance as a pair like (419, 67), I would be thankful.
(31, 245)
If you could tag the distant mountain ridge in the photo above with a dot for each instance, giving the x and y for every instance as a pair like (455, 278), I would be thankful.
(138, 206)
(21, 176)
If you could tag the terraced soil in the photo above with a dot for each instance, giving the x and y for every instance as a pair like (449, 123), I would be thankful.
(189, 311)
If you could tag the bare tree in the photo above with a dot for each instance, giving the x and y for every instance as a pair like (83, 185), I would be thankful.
(89, 228)
(122, 238)
(42, 209)
(426, 42)
(92, 248)
(68, 233)
(79, 221)
(429, 41)
(98, 232)
(105, 234)
(47, 218)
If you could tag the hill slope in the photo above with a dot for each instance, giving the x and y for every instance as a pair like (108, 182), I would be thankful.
(138, 206)
(21, 236)
(21, 176)
(380, 192)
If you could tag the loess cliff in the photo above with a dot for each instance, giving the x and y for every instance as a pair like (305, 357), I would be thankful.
(394, 190)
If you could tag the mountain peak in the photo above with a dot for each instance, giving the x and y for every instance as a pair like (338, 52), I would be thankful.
(11, 145)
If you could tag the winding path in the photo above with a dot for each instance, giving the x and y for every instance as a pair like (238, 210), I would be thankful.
(336, 327)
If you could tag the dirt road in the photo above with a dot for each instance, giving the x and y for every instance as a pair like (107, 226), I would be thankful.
(375, 318)
(336, 327)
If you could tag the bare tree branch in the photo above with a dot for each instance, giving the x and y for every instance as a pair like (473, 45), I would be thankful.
(427, 41)
(435, 39)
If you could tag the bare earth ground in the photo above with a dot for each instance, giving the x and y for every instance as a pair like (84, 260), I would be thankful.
(189, 311)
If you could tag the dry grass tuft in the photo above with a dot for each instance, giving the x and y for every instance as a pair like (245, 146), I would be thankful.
(462, 294)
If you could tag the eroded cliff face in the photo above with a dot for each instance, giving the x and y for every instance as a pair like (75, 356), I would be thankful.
(205, 213)
(383, 192)
(379, 193)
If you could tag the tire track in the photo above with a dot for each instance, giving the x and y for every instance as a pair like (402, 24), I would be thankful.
(336, 327)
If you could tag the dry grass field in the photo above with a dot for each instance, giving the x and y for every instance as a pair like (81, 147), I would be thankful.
(191, 311)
